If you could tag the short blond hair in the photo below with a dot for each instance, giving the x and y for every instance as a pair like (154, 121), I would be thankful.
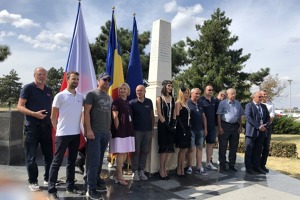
(126, 85)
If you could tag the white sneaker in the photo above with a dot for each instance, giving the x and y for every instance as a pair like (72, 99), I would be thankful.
(46, 183)
(135, 176)
(143, 176)
(34, 187)
(211, 166)
(189, 170)
(110, 165)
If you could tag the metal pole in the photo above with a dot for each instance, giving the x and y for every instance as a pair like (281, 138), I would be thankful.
(290, 82)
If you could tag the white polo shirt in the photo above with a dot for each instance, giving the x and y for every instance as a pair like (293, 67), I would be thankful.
(70, 110)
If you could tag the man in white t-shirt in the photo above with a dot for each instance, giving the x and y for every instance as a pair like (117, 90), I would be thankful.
(267, 139)
(68, 104)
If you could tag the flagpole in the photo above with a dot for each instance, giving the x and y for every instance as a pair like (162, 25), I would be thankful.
(75, 26)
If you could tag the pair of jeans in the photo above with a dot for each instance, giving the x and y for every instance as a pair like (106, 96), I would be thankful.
(95, 150)
(142, 145)
(70, 142)
(34, 135)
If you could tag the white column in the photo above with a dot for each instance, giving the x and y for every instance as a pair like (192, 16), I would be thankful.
(159, 70)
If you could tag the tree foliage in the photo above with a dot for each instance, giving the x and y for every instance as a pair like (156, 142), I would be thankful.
(214, 62)
(179, 57)
(10, 88)
(4, 52)
(273, 85)
(54, 79)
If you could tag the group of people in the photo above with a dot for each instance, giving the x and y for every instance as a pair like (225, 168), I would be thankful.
(190, 120)
(127, 126)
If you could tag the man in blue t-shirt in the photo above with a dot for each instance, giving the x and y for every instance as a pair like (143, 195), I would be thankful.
(198, 130)
(143, 121)
(35, 102)
(209, 104)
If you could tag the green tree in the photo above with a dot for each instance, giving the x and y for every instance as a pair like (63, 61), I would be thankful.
(273, 85)
(54, 79)
(4, 52)
(214, 62)
(10, 88)
(179, 57)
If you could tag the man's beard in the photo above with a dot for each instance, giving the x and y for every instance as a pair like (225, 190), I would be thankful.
(73, 86)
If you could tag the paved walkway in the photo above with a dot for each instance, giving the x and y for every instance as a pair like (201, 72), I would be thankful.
(215, 186)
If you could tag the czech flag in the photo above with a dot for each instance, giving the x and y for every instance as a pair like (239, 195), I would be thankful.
(134, 74)
(80, 60)
(113, 60)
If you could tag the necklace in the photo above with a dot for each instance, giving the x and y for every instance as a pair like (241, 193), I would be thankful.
(169, 109)
(188, 109)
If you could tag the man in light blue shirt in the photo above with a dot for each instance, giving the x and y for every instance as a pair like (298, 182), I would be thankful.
(230, 114)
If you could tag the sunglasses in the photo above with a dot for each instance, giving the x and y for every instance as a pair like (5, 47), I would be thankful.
(106, 79)
(211, 90)
(260, 96)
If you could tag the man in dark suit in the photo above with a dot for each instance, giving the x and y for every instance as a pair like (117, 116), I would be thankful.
(257, 121)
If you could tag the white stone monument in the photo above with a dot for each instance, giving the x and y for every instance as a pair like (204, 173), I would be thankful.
(160, 69)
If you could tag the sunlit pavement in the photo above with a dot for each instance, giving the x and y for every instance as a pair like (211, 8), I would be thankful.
(217, 185)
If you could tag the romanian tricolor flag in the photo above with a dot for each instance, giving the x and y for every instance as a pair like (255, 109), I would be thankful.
(80, 60)
(113, 60)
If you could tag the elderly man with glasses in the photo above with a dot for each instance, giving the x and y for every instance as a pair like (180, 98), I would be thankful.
(257, 121)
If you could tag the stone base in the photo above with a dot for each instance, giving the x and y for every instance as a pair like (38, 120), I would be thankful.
(11, 137)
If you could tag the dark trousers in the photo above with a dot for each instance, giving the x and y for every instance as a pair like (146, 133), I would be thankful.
(35, 135)
(230, 135)
(266, 147)
(253, 151)
(70, 142)
(142, 145)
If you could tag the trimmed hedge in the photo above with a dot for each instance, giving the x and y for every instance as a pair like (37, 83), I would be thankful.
(277, 149)
(285, 125)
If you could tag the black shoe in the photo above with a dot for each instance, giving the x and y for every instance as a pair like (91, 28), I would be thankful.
(162, 178)
(250, 171)
(232, 168)
(93, 194)
(74, 190)
(101, 188)
(53, 196)
(265, 169)
(259, 171)
(223, 168)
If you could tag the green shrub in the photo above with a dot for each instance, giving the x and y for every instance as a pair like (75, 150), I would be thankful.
(285, 125)
(277, 149)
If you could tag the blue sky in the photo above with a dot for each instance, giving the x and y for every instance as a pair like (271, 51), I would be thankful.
(39, 32)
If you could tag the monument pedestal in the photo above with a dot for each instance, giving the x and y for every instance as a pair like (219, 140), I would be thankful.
(11, 137)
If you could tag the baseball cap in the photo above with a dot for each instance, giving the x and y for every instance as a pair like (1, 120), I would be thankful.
(103, 76)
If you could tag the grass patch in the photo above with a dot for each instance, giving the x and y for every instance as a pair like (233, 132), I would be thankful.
(7, 109)
(288, 166)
